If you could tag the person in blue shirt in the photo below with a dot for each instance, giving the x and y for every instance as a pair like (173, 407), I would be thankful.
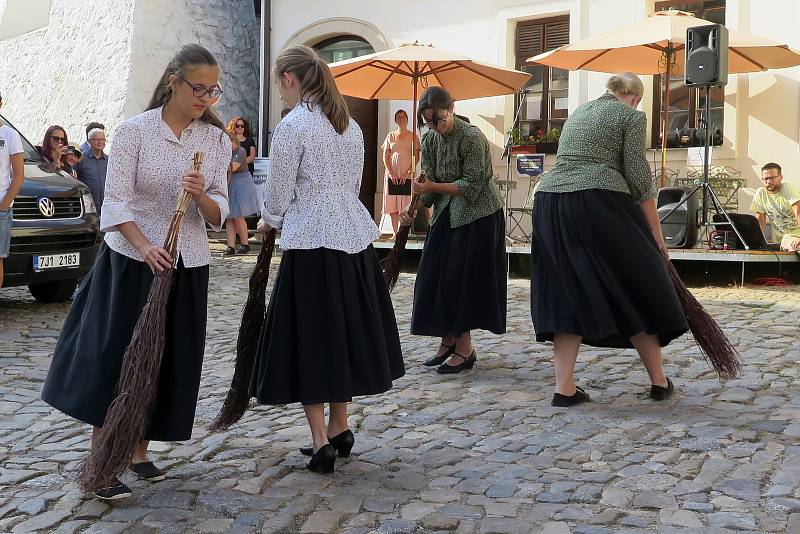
(92, 168)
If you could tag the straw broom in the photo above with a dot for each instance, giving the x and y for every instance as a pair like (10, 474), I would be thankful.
(390, 265)
(712, 341)
(126, 420)
(238, 398)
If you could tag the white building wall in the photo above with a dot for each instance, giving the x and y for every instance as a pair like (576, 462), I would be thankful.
(100, 60)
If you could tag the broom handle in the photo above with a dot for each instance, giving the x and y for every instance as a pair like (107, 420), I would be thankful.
(415, 198)
(182, 204)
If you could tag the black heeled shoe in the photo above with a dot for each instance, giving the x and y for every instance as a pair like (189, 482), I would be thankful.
(323, 460)
(343, 443)
(468, 362)
(436, 361)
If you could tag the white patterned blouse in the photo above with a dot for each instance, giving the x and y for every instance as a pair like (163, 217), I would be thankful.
(313, 184)
(145, 167)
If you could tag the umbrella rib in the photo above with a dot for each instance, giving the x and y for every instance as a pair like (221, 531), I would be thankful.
(474, 71)
(604, 52)
(754, 62)
(384, 82)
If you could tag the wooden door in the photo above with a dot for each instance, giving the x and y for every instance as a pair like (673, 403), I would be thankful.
(365, 113)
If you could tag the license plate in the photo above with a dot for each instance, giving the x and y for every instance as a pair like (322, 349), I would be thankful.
(57, 261)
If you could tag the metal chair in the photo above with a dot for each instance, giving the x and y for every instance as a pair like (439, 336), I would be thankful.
(670, 175)
(518, 215)
(724, 180)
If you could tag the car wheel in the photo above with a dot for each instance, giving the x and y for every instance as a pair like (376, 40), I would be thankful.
(58, 291)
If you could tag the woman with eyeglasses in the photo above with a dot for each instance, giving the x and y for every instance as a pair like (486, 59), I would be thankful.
(149, 165)
(461, 278)
(330, 332)
(241, 127)
(54, 147)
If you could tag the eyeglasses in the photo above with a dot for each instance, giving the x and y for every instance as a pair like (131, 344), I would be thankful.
(62, 140)
(213, 92)
(240, 125)
(435, 123)
(768, 178)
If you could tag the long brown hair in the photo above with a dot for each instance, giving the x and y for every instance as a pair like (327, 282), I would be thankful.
(185, 59)
(47, 143)
(232, 126)
(317, 86)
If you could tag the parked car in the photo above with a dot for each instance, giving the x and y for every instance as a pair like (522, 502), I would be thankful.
(55, 233)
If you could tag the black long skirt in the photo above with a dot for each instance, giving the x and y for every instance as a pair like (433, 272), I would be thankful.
(330, 332)
(461, 278)
(596, 271)
(87, 361)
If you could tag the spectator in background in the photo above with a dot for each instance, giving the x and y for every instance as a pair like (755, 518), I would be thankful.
(242, 200)
(12, 174)
(92, 170)
(72, 157)
(241, 128)
(54, 145)
(780, 202)
(89, 127)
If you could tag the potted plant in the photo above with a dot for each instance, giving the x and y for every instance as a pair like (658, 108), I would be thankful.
(521, 144)
(548, 143)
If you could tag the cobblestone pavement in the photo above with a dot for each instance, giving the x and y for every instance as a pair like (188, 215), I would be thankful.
(482, 452)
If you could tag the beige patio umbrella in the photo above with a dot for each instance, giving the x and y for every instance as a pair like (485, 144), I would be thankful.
(656, 46)
(399, 74)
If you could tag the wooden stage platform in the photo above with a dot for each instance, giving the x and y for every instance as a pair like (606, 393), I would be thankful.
(732, 256)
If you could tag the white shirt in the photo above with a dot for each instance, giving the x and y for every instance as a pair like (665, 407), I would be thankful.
(145, 168)
(312, 188)
(10, 144)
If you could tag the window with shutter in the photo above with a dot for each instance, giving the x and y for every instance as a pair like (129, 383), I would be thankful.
(686, 105)
(546, 104)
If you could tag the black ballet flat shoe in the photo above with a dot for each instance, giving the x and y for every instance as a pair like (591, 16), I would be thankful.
(230, 251)
(563, 401)
(323, 460)
(343, 443)
(660, 393)
(116, 491)
(148, 471)
(446, 369)
(243, 249)
(436, 361)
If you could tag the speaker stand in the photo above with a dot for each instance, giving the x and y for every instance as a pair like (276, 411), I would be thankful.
(709, 196)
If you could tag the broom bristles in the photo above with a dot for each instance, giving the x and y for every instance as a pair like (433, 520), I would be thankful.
(712, 341)
(238, 397)
(126, 418)
(390, 265)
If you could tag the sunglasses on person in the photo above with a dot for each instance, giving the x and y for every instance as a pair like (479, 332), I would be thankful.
(240, 125)
(213, 92)
(62, 140)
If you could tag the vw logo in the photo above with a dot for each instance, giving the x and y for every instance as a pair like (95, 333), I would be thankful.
(46, 207)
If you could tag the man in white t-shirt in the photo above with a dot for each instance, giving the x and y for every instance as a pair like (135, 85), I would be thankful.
(12, 174)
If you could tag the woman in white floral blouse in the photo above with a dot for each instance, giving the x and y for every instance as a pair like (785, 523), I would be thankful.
(148, 166)
(330, 332)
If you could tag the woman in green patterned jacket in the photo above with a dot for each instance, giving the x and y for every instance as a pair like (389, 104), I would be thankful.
(597, 268)
(461, 279)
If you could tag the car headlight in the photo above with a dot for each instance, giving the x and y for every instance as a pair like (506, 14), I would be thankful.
(88, 204)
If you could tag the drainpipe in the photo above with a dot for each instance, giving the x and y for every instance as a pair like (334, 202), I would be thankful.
(265, 66)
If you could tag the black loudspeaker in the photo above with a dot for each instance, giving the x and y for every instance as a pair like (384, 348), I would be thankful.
(680, 228)
(706, 56)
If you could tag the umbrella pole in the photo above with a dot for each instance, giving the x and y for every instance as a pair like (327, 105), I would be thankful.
(665, 116)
